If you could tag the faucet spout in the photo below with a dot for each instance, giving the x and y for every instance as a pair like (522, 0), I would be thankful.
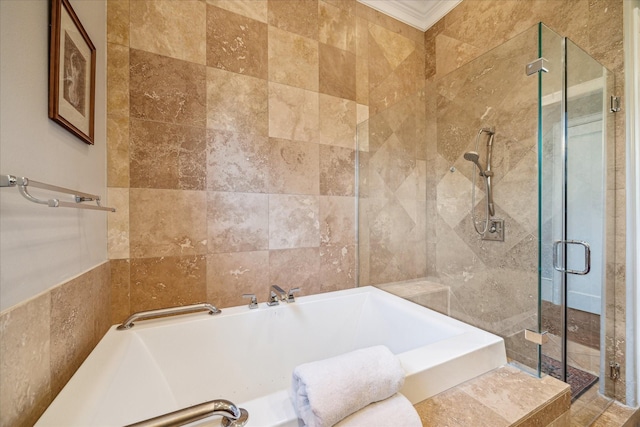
(280, 292)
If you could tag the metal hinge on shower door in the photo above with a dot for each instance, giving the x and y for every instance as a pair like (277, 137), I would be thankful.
(614, 371)
(614, 106)
(540, 64)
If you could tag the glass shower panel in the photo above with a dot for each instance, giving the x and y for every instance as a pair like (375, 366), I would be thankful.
(573, 238)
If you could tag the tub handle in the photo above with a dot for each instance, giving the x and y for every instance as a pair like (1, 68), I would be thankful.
(162, 312)
(232, 416)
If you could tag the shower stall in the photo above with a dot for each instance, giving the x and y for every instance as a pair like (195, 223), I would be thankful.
(546, 287)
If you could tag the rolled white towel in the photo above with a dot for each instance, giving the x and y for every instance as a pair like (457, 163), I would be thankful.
(394, 411)
(327, 391)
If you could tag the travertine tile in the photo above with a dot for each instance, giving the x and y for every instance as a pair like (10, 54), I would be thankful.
(237, 162)
(293, 167)
(337, 171)
(72, 329)
(100, 280)
(174, 29)
(237, 222)
(293, 113)
(392, 24)
(296, 16)
(437, 411)
(236, 43)
(293, 221)
(254, 9)
(337, 27)
(296, 268)
(120, 290)
(338, 119)
(25, 371)
(117, 151)
(337, 72)
(237, 103)
(337, 220)
(168, 156)
(167, 90)
(362, 80)
(118, 22)
(393, 46)
(293, 59)
(117, 80)
(167, 282)
(337, 267)
(167, 223)
(118, 223)
(231, 275)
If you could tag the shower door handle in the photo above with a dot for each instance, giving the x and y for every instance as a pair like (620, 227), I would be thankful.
(564, 269)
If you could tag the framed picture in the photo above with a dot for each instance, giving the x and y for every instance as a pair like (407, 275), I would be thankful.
(72, 73)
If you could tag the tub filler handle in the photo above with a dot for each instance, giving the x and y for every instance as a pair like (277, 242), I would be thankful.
(162, 312)
(232, 416)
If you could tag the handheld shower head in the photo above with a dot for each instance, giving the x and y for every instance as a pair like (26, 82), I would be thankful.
(474, 157)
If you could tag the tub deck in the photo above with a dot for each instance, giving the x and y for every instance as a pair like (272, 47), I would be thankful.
(247, 356)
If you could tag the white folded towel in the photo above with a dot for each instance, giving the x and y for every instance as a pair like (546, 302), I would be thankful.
(394, 411)
(327, 391)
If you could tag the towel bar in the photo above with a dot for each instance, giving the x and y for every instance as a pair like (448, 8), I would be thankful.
(22, 183)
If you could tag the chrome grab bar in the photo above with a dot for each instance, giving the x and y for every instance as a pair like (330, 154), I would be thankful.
(232, 416)
(141, 315)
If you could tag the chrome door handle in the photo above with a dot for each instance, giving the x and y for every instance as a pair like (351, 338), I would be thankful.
(587, 256)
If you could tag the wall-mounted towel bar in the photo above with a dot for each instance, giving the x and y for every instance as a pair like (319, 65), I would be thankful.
(22, 183)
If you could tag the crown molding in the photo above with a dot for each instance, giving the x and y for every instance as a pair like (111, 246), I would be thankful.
(420, 14)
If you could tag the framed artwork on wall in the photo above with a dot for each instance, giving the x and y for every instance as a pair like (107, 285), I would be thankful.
(72, 73)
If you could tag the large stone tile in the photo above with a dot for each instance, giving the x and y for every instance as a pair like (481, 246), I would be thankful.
(337, 72)
(167, 282)
(337, 27)
(254, 9)
(237, 162)
(231, 275)
(237, 103)
(118, 223)
(296, 16)
(166, 89)
(293, 167)
(117, 151)
(167, 223)
(337, 267)
(25, 371)
(118, 22)
(237, 222)
(338, 117)
(117, 79)
(236, 43)
(293, 221)
(173, 29)
(120, 290)
(167, 156)
(293, 59)
(337, 221)
(293, 113)
(337, 171)
(295, 268)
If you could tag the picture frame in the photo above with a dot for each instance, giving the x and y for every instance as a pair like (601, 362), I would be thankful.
(72, 73)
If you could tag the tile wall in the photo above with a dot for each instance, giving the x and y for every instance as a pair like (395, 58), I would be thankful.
(232, 143)
(45, 340)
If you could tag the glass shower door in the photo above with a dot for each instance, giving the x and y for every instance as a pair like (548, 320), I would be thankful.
(574, 114)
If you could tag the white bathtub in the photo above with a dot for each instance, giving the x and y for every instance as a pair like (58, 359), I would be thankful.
(247, 356)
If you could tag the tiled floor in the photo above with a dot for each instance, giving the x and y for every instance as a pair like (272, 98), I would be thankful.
(593, 410)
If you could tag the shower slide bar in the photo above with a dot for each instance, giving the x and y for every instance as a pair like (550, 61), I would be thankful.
(232, 416)
(22, 183)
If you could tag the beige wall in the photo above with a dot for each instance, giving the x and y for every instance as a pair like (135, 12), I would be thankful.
(467, 32)
(232, 150)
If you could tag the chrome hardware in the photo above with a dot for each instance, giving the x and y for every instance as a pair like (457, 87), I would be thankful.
(254, 301)
(162, 312)
(273, 299)
(614, 371)
(539, 64)
(587, 257)
(22, 183)
(232, 416)
(614, 105)
(539, 338)
(290, 297)
(496, 230)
